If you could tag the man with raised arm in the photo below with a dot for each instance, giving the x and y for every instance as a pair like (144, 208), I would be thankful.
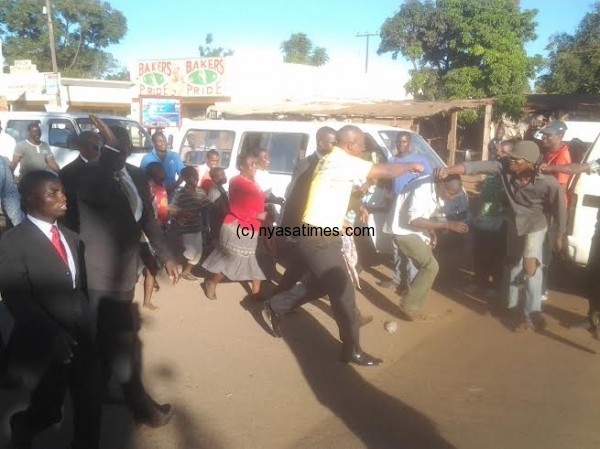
(114, 208)
(325, 210)
(531, 196)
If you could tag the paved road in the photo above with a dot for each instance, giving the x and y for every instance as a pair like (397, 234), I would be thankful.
(462, 381)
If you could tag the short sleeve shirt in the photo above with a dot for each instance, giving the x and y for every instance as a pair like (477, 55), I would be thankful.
(172, 165)
(559, 157)
(331, 188)
(33, 157)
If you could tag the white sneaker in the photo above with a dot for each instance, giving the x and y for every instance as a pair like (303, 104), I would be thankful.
(545, 297)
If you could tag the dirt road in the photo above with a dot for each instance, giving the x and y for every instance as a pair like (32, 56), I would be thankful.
(462, 381)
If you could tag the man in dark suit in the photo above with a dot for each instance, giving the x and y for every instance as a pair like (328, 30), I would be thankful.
(114, 208)
(88, 145)
(296, 197)
(42, 281)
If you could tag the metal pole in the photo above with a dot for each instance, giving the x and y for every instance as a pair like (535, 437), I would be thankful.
(51, 33)
(53, 51)
(367, 35)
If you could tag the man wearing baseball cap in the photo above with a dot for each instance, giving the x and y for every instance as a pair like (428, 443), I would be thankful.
(531, 195)
(554, 150)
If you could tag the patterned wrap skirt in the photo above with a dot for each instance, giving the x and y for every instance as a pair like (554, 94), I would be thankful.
(235, 256)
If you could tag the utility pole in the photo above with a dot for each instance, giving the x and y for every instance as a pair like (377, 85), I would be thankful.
(48, 12)
(367, 35)
(51, 33)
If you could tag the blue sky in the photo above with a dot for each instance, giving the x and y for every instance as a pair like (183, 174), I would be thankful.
(175, 29)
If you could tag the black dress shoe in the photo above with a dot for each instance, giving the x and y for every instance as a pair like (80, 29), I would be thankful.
(361, 358)
(272, 319)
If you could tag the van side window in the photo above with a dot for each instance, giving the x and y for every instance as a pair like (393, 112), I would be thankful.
(198, 142)
(61, 133)
(285, 149)
(17, 129)
(373, 152)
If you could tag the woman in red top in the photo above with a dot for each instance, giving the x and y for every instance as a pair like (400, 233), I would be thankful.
(235, 255)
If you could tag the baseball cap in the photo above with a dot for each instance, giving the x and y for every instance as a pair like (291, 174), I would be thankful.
(526, 149)
(556, 126)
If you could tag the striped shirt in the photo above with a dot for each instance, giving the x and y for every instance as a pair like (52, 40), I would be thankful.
(186, 210)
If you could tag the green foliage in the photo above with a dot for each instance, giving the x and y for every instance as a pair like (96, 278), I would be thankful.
(573, 64)
(213, 52)
(82, 30)
(299, 49)
(464, 49)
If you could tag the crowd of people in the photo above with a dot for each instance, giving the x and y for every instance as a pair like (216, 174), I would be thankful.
(83, 235)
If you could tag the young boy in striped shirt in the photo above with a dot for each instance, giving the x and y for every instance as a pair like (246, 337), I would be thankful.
(186, 209)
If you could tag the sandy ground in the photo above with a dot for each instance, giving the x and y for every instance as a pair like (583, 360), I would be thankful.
(462, 381)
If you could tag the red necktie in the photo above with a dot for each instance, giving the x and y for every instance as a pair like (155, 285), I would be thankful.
(58, 244)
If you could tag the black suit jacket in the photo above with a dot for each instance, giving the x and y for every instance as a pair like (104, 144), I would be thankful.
(38, 290)
(108, 227)
(297, 192)
(70, 176)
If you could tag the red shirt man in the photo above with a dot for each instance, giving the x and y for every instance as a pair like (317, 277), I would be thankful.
(555, 152)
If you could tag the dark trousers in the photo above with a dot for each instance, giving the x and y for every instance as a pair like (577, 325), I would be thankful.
(323, 258)
(81, 378)
(593, 268)
(120, 348)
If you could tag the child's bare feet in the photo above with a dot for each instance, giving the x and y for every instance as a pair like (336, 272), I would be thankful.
(150, 306)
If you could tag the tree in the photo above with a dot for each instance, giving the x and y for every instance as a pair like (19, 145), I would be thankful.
(299, 49)
(463, 49)
(82, 30)
(573, 63)
(210, 52)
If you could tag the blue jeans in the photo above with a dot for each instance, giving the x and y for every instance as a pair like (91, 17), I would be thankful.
(530, 245)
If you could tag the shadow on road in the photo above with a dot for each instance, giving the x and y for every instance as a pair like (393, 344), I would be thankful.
(118, 430)
(376, 418)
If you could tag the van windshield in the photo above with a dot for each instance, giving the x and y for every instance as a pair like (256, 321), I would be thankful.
(140, 139)
(418, 146)
(198, 142)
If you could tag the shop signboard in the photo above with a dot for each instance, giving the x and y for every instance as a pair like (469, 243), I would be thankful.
(197, 77)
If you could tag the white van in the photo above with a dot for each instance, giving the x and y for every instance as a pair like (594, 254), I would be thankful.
(59, 130)
(286, 141)
(584, 195)
(289, 141)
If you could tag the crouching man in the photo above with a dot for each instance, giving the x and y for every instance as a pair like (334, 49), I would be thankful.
(42, 281)
(413, 222)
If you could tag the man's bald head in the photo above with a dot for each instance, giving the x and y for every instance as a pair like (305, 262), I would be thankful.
(326, 140)
(351, 139)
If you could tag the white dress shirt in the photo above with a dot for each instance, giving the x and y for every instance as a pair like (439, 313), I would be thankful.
(46, 228)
